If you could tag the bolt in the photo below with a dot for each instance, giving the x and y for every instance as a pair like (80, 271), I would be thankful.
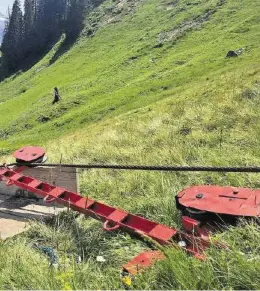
(199, 196)
(235, 191)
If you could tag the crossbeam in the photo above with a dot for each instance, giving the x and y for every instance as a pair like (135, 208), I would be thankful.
(113, 218)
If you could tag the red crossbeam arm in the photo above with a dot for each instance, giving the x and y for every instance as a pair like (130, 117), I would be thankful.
(113, 218)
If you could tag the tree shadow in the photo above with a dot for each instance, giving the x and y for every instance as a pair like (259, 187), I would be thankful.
(29, 60)
(63, 48)
(34, 55)
(71, 38)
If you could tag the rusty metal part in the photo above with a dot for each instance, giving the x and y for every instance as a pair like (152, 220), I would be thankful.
(142, 262)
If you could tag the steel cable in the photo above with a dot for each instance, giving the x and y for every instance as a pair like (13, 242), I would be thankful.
(252, 169)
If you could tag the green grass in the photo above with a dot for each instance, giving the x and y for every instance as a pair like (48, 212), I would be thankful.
(98, 78)
(126, 102)
(22, 267)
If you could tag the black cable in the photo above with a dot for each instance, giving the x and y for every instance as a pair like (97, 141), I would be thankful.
(149, 168)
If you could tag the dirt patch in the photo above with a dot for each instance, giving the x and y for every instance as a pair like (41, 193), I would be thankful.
(172, 4)
(195, 23)
(105, 15)
(251, 93)
(121, 9)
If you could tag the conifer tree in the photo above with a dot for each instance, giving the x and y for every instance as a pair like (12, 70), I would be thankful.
(27, 36)
(29, 17)
(13, 37)
(29, 26)
(75, 17)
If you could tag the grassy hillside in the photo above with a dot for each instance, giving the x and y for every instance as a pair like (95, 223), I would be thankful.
(150, 86)
(124, 67)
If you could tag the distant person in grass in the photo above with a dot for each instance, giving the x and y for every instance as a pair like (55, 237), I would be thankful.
(56, 96)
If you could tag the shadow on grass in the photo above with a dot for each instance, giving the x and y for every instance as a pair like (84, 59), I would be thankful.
(63, 48)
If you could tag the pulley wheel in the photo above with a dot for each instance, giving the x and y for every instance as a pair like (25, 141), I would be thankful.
(30, 154)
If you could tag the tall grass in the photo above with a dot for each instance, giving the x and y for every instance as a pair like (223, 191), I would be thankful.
(22, 267)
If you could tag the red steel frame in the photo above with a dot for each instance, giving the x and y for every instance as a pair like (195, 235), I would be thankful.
(194, 240)
(113, 218)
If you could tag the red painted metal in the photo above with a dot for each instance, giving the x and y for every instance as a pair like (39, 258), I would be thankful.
(112, 217)
(222, 200)
(142, 261)
(196, 228)
(29, 154)
(203, 199)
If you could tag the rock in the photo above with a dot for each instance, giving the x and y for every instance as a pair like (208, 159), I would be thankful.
(90, 32)
(239, 51)
(235, 53)
(231, 54)
(159, 45)
(43, 119)
(100, 259)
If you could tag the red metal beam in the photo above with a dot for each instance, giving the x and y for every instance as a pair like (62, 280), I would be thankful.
(113, 218)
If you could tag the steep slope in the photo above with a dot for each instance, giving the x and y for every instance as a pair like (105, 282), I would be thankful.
(124, 67)
(148, 84)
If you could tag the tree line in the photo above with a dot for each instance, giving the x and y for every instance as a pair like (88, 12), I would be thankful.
(29, 32)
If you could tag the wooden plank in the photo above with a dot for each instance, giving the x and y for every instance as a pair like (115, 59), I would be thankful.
(66, 178)
(62, 177)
